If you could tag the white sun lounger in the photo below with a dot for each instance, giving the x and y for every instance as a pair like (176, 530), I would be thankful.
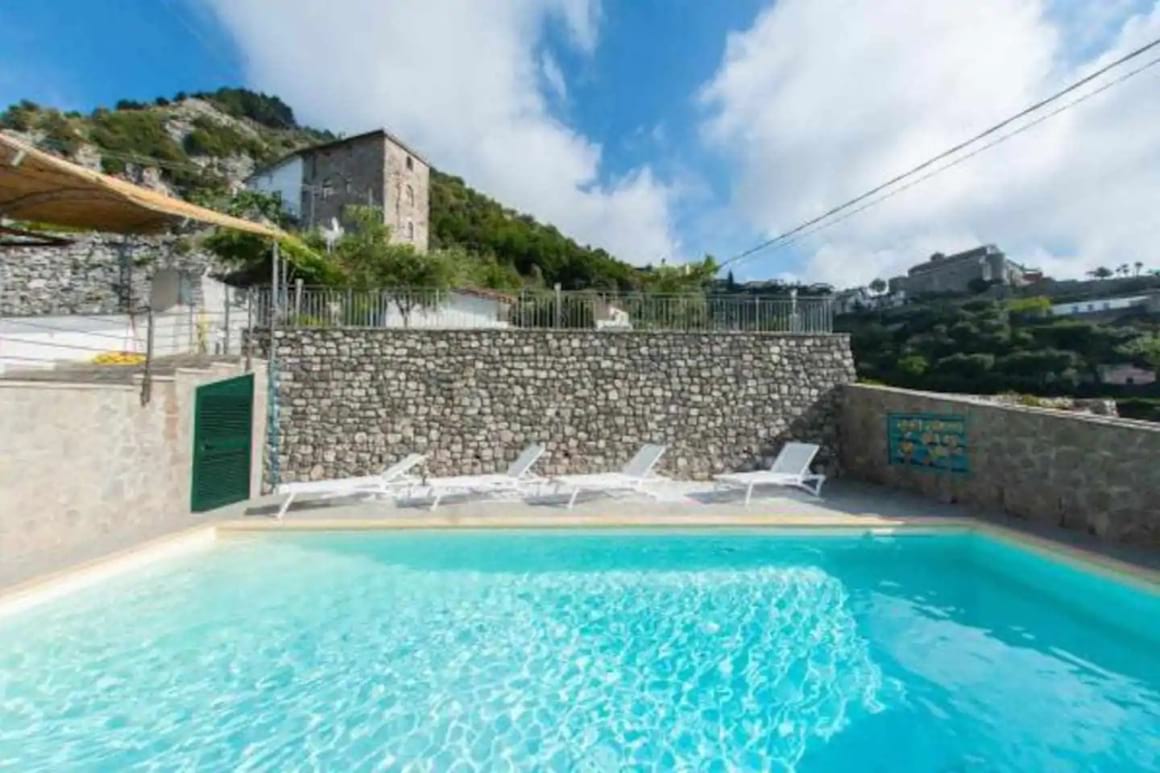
(632, 477)
(790, 468)
(517, 476)
(390, 479)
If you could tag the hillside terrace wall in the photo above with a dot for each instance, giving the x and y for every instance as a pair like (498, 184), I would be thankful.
(94, 274)
(351, 402)
(1095, 474)
(86, 470)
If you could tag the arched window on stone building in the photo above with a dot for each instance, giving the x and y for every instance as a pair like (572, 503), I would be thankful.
(411, 230)
(410, 196)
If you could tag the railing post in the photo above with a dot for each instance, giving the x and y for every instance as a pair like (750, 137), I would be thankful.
(559, 305)
(147, 376)
(248, 336)
(226, 322)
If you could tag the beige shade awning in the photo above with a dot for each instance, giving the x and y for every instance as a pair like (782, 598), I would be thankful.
(42, 188)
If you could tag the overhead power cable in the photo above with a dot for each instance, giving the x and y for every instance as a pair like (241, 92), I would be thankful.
(1002, 138)
(946, 153)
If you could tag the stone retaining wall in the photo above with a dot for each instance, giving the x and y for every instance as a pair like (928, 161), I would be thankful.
(352, 401)
(95, 274)
(1095, 474)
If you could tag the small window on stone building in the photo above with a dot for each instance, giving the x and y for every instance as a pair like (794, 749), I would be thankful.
(410, 196)
(411, 230)
(410, 163)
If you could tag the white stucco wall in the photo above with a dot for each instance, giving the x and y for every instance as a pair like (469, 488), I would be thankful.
(1096, 305)
(31, 342)
(86, 470)
(459, 311)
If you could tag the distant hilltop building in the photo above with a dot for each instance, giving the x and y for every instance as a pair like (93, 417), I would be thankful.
(373, 169)
(956, 273)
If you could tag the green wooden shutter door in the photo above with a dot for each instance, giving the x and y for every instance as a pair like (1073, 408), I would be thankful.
(223, 419)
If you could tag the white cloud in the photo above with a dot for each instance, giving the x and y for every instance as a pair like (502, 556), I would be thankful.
(462, 81)
(553, 75)
(822, 99)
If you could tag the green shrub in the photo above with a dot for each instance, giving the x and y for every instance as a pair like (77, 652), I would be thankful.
(59, 133)
(210, 138)
(1036, 306)
(965, 365)
(913, 365)
(135, 132)
(261, 108)
(20, 117)
(1142, 408)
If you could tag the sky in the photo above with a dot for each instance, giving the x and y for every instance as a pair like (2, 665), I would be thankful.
(668, 129)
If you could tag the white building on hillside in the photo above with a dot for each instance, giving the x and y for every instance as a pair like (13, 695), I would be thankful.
(455, 309)
(1125, 374)
(1103, 305)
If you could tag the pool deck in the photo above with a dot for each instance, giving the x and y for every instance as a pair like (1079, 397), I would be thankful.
(846, 505)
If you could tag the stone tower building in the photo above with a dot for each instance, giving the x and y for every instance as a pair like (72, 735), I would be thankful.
(374, 169)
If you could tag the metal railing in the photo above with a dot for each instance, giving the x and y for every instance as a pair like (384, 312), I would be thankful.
(122, 346)
(302, 307)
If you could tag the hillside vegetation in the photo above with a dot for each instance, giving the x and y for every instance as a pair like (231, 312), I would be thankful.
(990, 346)
(201, 146)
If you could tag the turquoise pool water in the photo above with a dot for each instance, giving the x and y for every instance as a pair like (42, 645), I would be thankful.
(588, 651)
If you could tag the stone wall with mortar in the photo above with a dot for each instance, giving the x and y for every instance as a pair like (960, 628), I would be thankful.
(1095, 474)
(86, 470)
(352, 402)
(94, 274)
(368, 170)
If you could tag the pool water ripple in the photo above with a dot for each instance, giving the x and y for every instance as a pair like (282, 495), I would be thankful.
(565, 652)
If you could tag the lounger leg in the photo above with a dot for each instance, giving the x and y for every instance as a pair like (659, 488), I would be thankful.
(285, 506)
(811, 485)
(749, 493)
(572, 499)
(435, 500)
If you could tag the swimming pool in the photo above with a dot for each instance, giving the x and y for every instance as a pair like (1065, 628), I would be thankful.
(566, 650)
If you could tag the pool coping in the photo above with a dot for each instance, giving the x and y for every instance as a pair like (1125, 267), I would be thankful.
(45, 588)
(1074, 555)
(48, 587)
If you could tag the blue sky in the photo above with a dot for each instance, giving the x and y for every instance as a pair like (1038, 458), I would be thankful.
(668, 128)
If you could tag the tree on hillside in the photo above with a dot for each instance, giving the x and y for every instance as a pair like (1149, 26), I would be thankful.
(683, 278)
(1033, 307)
(1144, 350)
(913, 365)
(1139, 267)
(1103, 272)
(463, 217)
(250, 255)
(1122, 269)
(878, 286)
(399, 272)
